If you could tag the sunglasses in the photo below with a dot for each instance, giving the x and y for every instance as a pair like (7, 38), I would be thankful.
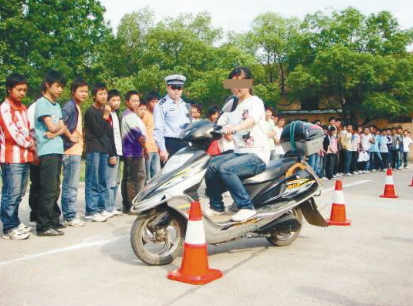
(176, 87)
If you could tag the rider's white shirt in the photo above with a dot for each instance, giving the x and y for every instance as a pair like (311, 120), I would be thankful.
(254, 139)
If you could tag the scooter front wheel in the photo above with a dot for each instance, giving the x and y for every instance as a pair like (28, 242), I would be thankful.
(158, 246)
(286, 238)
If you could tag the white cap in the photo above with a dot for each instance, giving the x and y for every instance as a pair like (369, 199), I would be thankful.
(175, 79)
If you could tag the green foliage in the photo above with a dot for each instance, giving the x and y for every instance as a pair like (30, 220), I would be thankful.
(355, 62)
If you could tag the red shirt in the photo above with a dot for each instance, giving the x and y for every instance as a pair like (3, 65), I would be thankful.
(15, 138)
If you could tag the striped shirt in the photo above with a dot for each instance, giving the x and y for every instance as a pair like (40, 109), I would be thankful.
(15, 138)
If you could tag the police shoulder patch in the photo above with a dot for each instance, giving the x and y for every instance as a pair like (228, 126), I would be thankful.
(162, 101)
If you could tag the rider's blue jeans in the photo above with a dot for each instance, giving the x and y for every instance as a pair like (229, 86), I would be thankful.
(226, 172)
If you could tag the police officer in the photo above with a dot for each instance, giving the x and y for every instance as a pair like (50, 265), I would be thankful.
(171, 116)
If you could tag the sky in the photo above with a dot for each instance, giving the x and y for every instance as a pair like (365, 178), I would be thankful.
(237, 15)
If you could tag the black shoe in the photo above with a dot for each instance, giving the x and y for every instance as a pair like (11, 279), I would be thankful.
(50, 233)
(60, 226)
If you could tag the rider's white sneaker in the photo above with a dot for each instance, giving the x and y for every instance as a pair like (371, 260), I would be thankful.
(243, 215)
(210, 212)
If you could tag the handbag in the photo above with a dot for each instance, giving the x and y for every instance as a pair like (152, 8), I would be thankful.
(364, 156)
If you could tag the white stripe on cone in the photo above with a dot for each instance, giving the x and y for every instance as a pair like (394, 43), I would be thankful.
(389, 180)
(338, 197)
(195, 233)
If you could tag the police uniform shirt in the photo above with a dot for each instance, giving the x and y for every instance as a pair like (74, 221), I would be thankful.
(170, 120)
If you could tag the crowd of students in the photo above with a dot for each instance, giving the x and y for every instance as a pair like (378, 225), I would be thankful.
(41, 141)
(349, 149)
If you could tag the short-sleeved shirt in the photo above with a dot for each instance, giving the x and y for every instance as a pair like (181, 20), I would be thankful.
(365, 142)
(171, 118)
(383, 141)
(150, 125)
(46, 108)
(278, 147)
(407, 141)
(270, 128)
(254, 139)
(132, 129)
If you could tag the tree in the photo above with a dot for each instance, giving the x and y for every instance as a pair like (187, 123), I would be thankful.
(40, 35)
(271, 41)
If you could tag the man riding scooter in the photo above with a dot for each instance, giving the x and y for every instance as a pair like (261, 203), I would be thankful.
(251, 153)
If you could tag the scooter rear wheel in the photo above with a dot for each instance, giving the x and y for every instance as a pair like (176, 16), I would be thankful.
(286, 238)
(160, 246)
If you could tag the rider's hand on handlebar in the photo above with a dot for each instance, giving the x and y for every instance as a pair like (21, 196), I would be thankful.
(228, 130)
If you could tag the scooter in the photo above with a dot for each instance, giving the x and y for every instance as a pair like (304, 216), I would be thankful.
(281, 195)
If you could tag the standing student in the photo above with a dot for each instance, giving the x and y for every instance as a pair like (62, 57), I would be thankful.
(113, 171)
(133, 142)
(279, 151)
(345, 140)
(407, 141)
(270, 131)
(16, 147)
(100, 150)
(383, 149)
(331, 152)
(73, 144)
(49, 126)
(153, 162)
(365, 144)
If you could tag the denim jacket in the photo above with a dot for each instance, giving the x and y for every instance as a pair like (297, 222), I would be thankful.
(70, 118)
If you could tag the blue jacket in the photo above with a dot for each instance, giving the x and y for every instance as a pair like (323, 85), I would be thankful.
(70, 118)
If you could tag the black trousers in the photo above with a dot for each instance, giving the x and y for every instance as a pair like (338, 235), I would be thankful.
(354, 159)
(34, 191)
(48, 211)
(133, 180)
(331, 158)
(173, 145)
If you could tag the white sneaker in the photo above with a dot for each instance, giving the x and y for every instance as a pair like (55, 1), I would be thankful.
(76, 222)
(348, 174)
(243, 215)
(106, 214)
(210, 212)
(96, 218)
(24, 228)
(16, 234)
(374, 170)
(116, 212)
(324, 179)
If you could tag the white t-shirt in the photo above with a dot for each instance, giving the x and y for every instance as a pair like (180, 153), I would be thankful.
(30, 115)
(407, 141)
(278, 147)
(116, 133)
(355, 142)
(270, 128)
(365, 142)
(252, 140)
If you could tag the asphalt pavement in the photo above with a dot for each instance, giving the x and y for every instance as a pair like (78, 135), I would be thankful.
(367, 263)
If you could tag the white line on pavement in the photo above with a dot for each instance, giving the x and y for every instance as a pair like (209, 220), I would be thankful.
(70, 248)
(348, 185)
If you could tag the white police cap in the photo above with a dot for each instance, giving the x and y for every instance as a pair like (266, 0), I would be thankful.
(175, 79)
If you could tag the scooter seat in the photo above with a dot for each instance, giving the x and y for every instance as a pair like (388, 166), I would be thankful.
(274, 170)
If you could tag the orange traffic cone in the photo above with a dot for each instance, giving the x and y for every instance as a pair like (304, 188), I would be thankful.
(194, 269)
(338, 210)
(389, 187)
(411, 185)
